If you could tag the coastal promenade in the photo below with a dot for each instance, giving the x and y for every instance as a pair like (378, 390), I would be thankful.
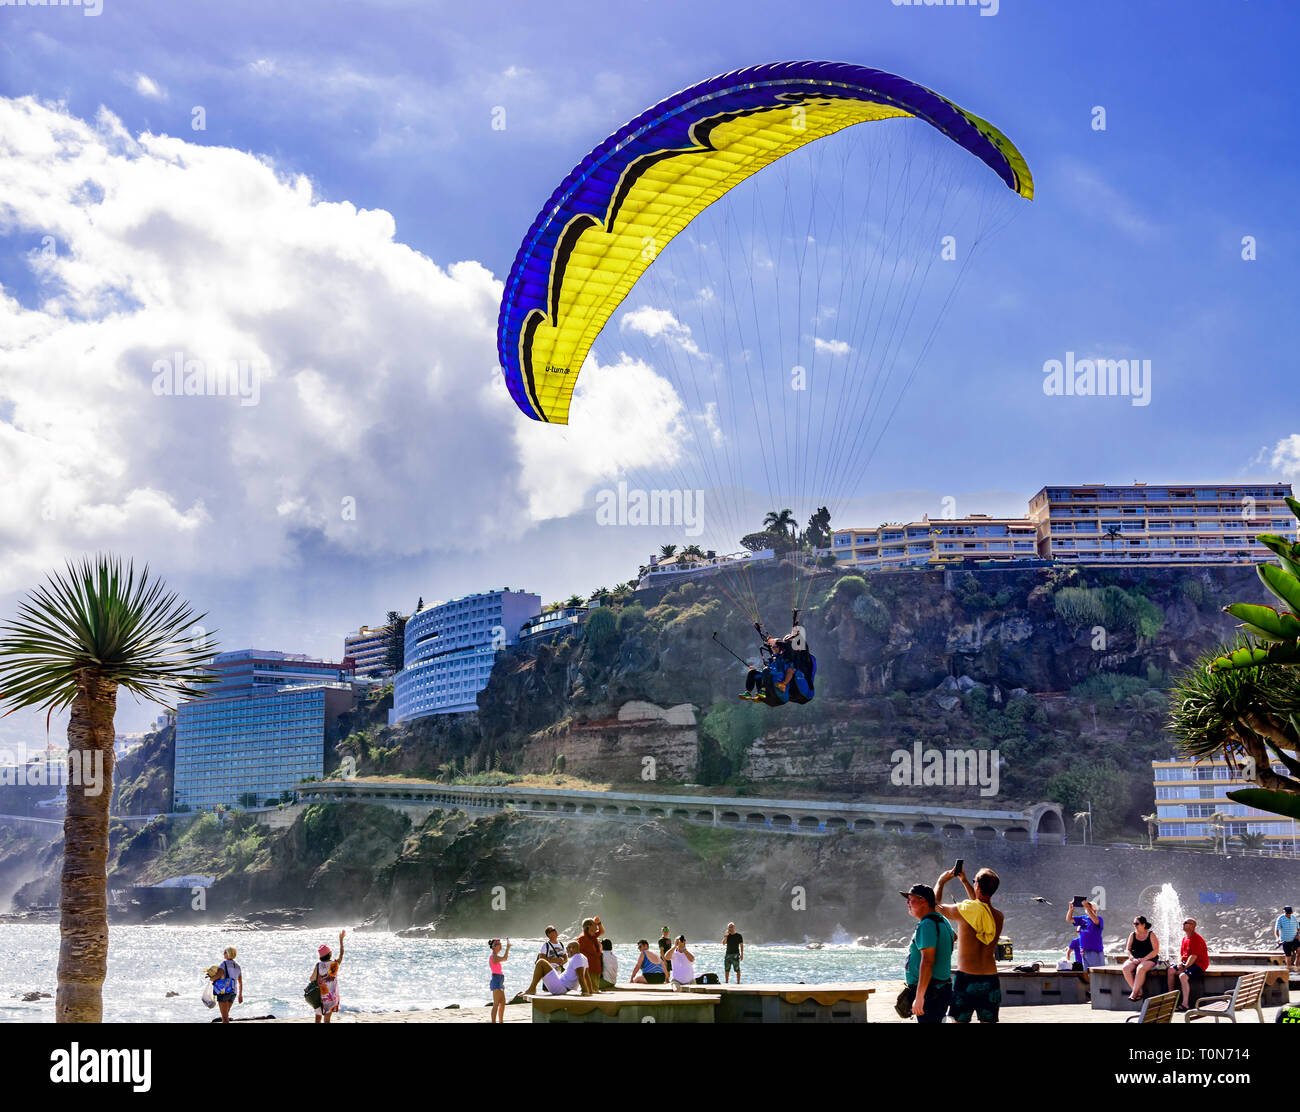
(880, 1010)
(1039, 823)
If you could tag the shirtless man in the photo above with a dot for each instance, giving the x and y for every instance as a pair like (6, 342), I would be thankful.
(979, 925)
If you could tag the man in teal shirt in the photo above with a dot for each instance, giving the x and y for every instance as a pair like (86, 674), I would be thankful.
(1285, 931)
(929, 958)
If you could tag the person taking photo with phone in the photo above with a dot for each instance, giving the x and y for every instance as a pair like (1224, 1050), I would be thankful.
(975, 986)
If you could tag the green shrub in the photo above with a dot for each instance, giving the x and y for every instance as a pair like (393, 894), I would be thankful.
(1079, 607)
(849, 587)
(1110, 689)
(601, 630)
(630, 619)
(1112, 608)
(872, 613)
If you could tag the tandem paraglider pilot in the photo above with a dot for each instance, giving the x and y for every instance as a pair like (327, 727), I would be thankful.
(787, 672)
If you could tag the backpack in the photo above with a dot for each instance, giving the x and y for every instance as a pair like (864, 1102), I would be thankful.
(223, 983)
(801, 686)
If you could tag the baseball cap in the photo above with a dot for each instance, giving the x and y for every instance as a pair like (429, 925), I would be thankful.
(922, 890)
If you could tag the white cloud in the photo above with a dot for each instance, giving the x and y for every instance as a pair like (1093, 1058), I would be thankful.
(1098, 196)
(147, 87)
(380, 425)
(830, 347)
(659, 324)
(1286, 457)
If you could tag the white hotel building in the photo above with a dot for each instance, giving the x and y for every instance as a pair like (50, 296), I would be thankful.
(1175, 524)
(450, 650)
(1093, 523)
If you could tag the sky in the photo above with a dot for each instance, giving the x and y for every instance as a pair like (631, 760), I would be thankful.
(333, 194)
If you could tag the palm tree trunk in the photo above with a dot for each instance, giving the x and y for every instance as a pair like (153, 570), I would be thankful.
(83, 894)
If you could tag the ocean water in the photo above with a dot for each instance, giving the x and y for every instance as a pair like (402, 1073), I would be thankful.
(380, 972)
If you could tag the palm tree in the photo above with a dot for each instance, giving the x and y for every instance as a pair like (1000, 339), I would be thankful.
(573, 600)
(77, 639)
(1151, 821)
(1251, 841)
(780, 521)
(1113, 535)
(1217, 820)
(667, 551)
(1084, 818)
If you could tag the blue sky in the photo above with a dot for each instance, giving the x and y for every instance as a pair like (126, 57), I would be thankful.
(1132, 246)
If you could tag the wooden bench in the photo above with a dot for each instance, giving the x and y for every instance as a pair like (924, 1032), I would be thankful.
(624, 1007)
(1245, 995)
(833, 1002)
(1158, 1009)
(1110, 993)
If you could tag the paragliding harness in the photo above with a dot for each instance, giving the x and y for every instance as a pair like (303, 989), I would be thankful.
(800, 688)
(773, 669)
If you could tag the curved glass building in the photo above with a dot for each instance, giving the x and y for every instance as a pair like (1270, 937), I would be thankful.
(450, 649)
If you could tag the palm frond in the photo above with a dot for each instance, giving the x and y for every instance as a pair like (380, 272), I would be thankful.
(97, 615)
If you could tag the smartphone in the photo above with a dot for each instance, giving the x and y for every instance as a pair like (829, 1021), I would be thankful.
(957, 868)
(1078, 901)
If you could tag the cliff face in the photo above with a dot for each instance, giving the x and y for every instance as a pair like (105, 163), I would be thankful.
(1061, 671)
(143, 779)
(510, 875)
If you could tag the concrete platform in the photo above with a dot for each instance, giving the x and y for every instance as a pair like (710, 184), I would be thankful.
(1110, 993)
(1047, 986)
(624, 1007)
(835, 1002)
(1224, 957)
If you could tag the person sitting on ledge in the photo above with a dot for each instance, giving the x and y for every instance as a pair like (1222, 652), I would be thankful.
(1143, 949)
(557, 981)
(646, 971)
(1193, 961)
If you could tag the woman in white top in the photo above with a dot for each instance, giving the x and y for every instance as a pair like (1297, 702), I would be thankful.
(683, 963)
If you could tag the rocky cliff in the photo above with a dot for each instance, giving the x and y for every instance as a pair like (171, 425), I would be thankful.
(1061, 671)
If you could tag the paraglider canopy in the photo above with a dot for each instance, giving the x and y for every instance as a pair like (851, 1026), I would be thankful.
(629, 197)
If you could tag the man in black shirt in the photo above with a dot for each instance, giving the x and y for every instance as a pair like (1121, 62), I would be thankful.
(734, 941)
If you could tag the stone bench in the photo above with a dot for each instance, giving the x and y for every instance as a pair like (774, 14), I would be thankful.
(1223, 957)
(836, 1002)
(1110, 993)
(1047, 986)
(624, 1007)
